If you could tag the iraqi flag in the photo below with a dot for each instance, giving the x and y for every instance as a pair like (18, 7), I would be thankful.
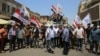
(54, 8)
(35, 21)
(77, 21)
(21, 16)
(16, 17)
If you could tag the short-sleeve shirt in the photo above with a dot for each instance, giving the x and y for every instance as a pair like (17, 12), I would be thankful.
(21, 33)
(79, 33)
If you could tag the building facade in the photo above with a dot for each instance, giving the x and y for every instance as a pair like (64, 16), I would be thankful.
(7, 8)
(92, 7)
(44, 19)
(36, 15)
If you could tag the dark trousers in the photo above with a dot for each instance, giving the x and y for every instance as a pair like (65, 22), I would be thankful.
(52, 42)
(65, 48)
(36, 41)
(56, 41)
(49, 48)
(27, 41)
(20, 43)
(12, 43)
(72, 42)
(44, 41)
(79, 43)
(2, 44)
(31, 42)
(93, 45)
(48, 43)
(87, 38)
(61, 42)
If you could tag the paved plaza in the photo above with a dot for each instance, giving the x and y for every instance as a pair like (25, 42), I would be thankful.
(43, 52)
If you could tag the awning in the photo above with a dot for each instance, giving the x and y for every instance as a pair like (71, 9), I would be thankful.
(4, 17)
(2, 21)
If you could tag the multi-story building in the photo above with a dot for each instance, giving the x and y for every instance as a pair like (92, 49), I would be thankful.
(44, 19)
(65, 21)
(92, 7)
(36, 15)
(7, 8)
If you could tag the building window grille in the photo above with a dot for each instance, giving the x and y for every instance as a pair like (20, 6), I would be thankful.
(4, 7)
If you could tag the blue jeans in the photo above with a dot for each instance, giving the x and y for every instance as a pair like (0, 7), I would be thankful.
(79, 43)
(27, 40)
(52, 42)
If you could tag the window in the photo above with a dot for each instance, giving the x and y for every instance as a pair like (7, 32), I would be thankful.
(8, 9)
(4, 7)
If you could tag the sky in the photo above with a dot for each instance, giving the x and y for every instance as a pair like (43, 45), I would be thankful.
(43, 7)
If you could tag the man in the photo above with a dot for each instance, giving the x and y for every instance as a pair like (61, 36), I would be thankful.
(56, 39)
(32, 36)
(36, 37)
(48, 41)
(88, 30)
(27, 36)
(66, 40)
(3, 34)
(52, 36)
(43, 30)
(79, 37)
(12, 35)
(94, 38)
(20, 38)
(60, 31)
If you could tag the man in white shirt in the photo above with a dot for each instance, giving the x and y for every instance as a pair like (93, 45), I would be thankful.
(52, 36)
(56, 39)
(79, 37)
(48, 36)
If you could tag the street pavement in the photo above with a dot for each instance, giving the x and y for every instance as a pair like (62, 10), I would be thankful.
(43, 52)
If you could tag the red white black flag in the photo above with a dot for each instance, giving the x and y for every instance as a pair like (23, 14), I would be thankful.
(21, 15)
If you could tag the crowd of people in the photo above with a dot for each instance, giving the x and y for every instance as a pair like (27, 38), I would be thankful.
(53, 36)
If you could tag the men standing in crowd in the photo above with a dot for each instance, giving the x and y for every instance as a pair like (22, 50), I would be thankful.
(27, 36)
(3, 35)
(48, 40)
(66, 40)
(60, 31)
(94, 38)
(36, 36)
(52, 36)
(79, 37)
(20, 38)
(56, 35)
(88, 30)
(31, 36)
(12, 35)
(43, 31)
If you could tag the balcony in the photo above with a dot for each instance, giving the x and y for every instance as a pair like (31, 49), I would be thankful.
(93, 2)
